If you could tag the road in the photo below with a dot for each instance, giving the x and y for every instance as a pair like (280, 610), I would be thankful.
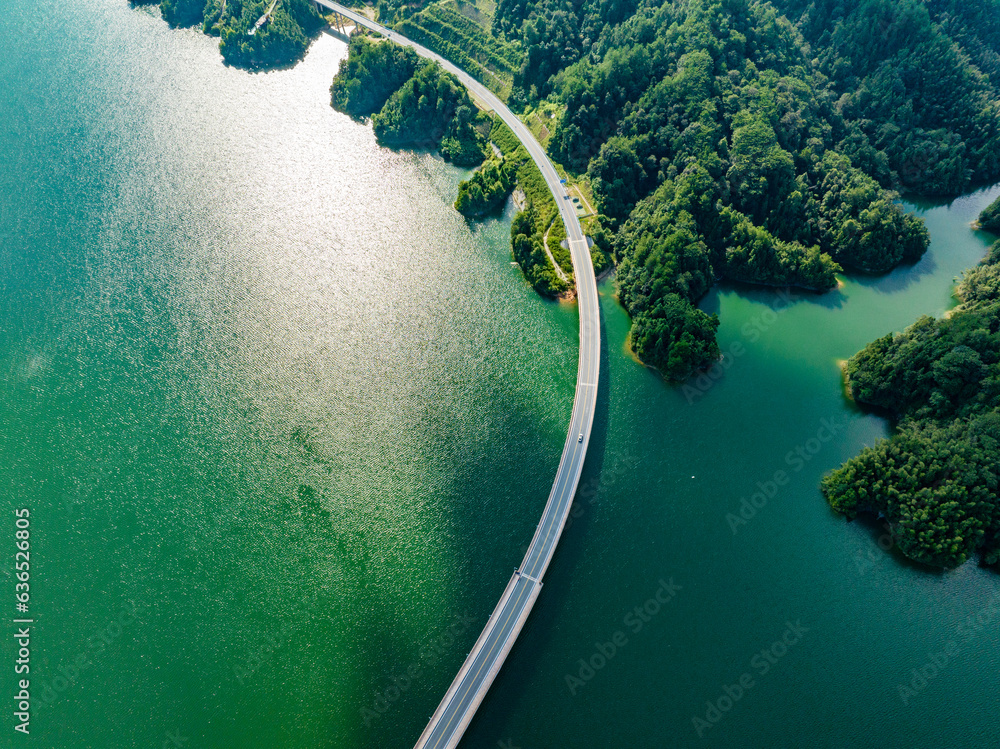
(452, 717)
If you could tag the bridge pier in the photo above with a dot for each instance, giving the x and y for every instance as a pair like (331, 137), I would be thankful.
(339, 21)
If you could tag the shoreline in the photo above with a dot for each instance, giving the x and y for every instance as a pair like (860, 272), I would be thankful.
(845, 381)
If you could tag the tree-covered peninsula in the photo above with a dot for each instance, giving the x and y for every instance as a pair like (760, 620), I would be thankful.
(371, 73)
(936, 479)
(412, 102)
(252, 33)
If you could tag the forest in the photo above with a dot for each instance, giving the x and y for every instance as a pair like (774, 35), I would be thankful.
(935, 480)
(282, 39)
(716, 149)
(761, 142)
(487, 189)
(411, 102)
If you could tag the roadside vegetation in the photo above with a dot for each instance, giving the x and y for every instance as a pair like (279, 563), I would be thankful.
(529, 227)
(936, 479)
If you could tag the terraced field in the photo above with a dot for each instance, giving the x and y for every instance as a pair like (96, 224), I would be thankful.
(442, 28)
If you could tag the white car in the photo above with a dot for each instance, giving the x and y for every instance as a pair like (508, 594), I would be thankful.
(581, 438)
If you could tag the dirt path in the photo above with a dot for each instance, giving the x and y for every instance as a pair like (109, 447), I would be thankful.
(545, 244)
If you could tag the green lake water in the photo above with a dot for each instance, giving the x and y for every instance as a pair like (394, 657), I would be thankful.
(285, 423)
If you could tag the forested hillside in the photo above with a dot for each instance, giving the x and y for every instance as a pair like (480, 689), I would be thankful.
(936, 479)
(716, 148)
(746, 140)
(758, 141)
(915, 85)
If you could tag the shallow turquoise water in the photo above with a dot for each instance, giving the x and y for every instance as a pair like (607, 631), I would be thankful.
(285, 423)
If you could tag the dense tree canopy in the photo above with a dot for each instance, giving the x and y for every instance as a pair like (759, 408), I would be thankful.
(281, 40)
(794, 118)
(412, 102)
(373, 70)
(721, 100)
(936, 479)
(487, 189)
(431, 109)
(910, 76)
(529, 252)
(990, 218)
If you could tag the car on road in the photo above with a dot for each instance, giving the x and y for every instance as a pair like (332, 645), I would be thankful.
(581, 438)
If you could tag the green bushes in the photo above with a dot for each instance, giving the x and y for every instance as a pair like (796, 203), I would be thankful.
(936, 485)
(754, 255)
(556, 234)
(505, 139)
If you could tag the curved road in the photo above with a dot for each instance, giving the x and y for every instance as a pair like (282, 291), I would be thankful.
(459, 704)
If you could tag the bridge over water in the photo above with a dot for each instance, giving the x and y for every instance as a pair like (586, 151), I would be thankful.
(481, 666)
